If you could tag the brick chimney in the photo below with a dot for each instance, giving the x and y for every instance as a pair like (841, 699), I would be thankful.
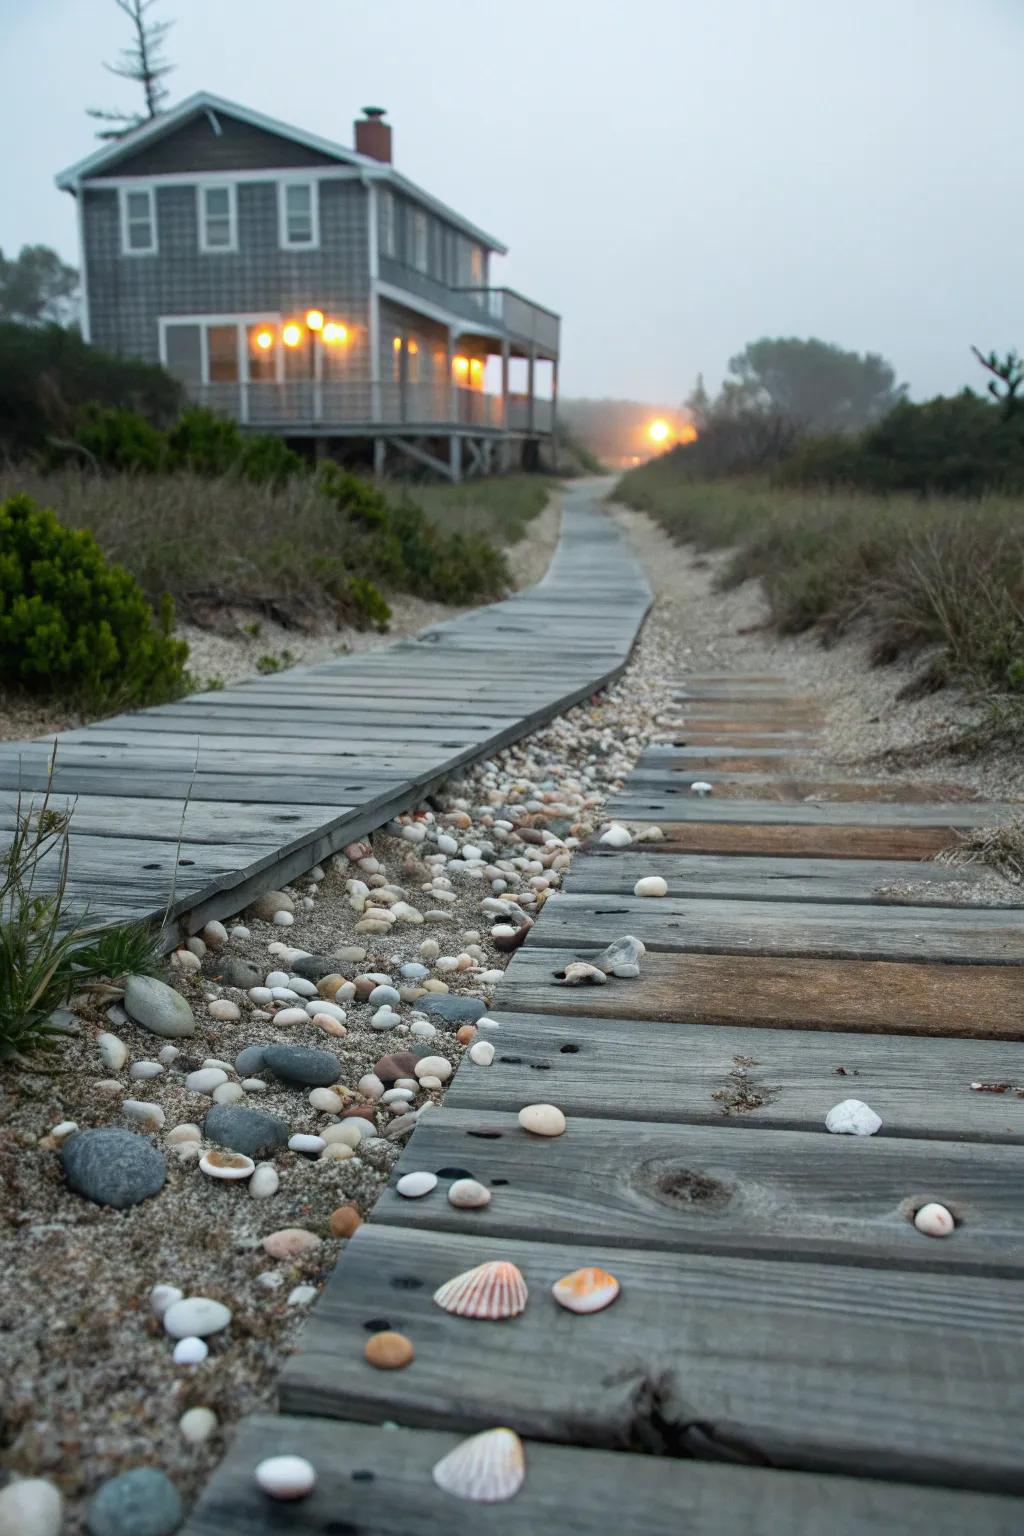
(373, 135)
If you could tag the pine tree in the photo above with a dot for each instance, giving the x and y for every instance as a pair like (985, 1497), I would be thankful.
(142, 62)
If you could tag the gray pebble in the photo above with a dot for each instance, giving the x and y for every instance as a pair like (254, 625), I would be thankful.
(252, 1132)
(250, 1060)
(303, 1065)
(143, 1502)
(457, 1010)
(111, 1166)
(233, 970)
(158, 1008)
(313, 967)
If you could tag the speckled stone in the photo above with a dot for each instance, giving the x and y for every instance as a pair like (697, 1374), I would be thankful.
(142, 1502)
(252, 1132)
(315, 967)
(456, 1010)
(303, 1065)
(114, 1167)
(233, 971)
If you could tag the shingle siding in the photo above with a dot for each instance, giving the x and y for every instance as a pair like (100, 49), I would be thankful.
(127, 294)
(196, 147)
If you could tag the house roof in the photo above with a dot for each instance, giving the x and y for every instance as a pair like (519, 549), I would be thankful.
(107, 154)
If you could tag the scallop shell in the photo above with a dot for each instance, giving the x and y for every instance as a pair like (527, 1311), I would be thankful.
(586, 1290)
(220, 1164)
(492, 1290)
(487, 1468)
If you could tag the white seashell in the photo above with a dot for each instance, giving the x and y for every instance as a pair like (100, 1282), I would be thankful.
(492, 1290)
(934, 1220)
(306, 1144)
(580, 973)
(190, 1351)
(220, 1164)
(487, 1469)
(286, 1477)
(482, 1053)
(586, 1290)
(264, 1182)
(163, 1296)
(852, 1118)
(468, 1194)
(542, 1119)
(415, 1185)
(651, 885)
(700, 787)
(616, 837)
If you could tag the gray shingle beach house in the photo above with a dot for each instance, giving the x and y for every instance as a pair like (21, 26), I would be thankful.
(311, 290)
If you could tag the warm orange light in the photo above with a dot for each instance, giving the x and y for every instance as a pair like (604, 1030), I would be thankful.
(333, 334)
(659, 431)
(412, 347)
(397, 343)
(264, 340)
(292, 334)
(688, 434)
(460, 365)
(315, 319)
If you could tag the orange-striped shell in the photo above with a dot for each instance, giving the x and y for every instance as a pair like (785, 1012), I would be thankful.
(586, 1290)
(492, 1290)
(487, 1468)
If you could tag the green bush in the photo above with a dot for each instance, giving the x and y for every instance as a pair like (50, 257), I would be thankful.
(203, 442)
(121, 440)
(73, 626)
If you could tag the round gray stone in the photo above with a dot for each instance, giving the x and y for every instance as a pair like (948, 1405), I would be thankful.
(303, 1065)
(143, 1502)
(158, 1008)
(249, 1061)
(315, 967)
(456, 1010)
(111, 1166)
(233, 970)
(252, 1132)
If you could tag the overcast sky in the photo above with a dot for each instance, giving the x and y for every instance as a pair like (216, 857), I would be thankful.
(676, 177)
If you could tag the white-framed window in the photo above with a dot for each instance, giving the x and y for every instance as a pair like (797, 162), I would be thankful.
(299, 215)
(420, 241)
(218, 218)
(223, 349)
(138, 221)
(387, 222)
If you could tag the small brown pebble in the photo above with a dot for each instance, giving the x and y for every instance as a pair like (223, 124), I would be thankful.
(395, 1065)
(345, 1220)
(389, 1351)
(328, 985)
(466, 1033)
(364, 1111)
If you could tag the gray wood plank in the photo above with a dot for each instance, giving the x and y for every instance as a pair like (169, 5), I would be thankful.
(640, 805)
(698, 1188)
(705, 925)
(377, 1482)
(740, 1077)
(801, 1365)
(740, 877)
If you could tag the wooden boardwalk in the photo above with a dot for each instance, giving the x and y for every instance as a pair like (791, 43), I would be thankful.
(788, 1355)
(225, 794)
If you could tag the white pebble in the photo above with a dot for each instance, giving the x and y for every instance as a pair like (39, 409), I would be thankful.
(205, 1080)
(228, 1093)
(291, 1016)
(934, 1220)
(852, 1118)
(270, 1279)
(163, 1296)
(423, 1029)
(60, 1133)
(700, 787)
(285, 1477)
(252, 1085)
(308, 1144)
(651, 885)
(326, 1100)
(468, 1194)
(415, 1185)
(224, 1010)
(141, 1071)
(283, 919)
(302, 987)
(113, 1052)
(238, 933)
(190, 1351)
(146, 1114)
(198, 1424)
(31, 1506)
(433, 1066)
(215, 935)
(168, 1054)
(542, 1119)
(348, 1132)
(616, 837)
(184, 1133)
(429, 1082)
(264, 1182)
(430, 949)
(370, 1086)
(301, 1295)
(196, 1316)
(414, 833)
(481, 1052)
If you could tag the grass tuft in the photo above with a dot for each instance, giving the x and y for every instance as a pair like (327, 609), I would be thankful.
(1000, 846)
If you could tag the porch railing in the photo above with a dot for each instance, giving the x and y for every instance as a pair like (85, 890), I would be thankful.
(521, 318)
(305, 403)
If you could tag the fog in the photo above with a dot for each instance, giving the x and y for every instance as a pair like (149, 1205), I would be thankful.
(676, 177)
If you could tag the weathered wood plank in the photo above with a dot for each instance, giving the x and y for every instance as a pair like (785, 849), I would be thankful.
(790, 789)
(706, 925)
(965, 1001)
(668, 809)
(698, 1188)
(603, 871)
(787, 841)
(377, 1482)
(802, 1365)
(740, 1077)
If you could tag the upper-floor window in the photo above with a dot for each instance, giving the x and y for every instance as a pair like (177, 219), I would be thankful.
(218, 220)
(138, 221)
(420, 241)
(299, 215)
(387, 222)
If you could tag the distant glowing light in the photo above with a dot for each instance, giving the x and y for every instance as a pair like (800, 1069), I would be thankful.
(688, 434)
(264, 340)
(412, 347)
(292, 334)
(315, 319)
(659, 431)
(334, 334)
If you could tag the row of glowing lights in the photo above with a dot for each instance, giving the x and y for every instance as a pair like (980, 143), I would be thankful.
(333, 334)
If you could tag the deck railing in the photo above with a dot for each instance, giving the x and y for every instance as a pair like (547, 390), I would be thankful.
(522, 318)
(325, 403)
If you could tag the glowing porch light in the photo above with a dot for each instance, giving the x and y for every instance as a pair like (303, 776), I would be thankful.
(460, 365)
(412, 347)
(315, 319)
(659, 431)
(333, 334)
(264, 340)
(396, 343)
(292, 334)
